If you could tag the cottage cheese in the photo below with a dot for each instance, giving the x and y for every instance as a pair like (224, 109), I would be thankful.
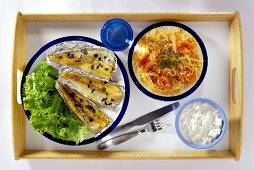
(200, 123)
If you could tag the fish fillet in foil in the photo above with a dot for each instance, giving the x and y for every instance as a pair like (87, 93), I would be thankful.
(105, 94)
(98, 62)
(85, 111)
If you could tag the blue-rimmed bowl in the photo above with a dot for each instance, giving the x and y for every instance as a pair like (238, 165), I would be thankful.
(40, 55)
(221, 115)
(189, 90)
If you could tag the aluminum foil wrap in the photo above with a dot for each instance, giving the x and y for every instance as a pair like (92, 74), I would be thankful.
(92, 92)
(91, 103)
(72, 46)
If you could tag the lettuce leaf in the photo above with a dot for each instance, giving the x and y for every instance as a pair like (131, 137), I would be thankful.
(48, 110)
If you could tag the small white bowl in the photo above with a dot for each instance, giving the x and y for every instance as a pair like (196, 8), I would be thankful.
(221, 115)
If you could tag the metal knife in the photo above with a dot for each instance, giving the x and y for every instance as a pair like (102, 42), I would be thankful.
(143, 120)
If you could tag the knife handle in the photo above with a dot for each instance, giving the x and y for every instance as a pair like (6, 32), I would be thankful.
(122, 128)
(118, 131)
(118, 140)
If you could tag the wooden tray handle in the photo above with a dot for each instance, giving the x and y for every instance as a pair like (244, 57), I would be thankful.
(19, 78)
(235, 86)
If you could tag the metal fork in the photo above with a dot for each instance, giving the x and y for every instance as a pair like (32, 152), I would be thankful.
(154, 126)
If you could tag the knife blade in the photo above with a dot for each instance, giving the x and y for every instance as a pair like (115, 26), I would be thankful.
(143, 120)
(149, 117)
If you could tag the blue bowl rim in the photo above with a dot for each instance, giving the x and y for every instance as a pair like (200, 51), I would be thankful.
(126, 82)
(111, 46)
(202, 47)
(217, 139)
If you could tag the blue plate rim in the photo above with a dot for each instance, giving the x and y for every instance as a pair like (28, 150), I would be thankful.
(120, 65)
(217, 139)
(110, 46)
(202, 47)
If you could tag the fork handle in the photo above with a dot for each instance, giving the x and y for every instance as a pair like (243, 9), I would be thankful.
(118, 139)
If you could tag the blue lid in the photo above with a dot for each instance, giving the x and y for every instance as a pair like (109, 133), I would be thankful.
(116, 34)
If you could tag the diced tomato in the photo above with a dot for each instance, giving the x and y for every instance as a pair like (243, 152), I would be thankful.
(147, 67)
(164, 82)
(144, 60)
(190, 76)
(184, 47)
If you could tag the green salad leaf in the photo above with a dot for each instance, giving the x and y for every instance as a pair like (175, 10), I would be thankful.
(48, 110)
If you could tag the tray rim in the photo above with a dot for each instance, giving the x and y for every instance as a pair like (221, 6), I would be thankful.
(235, 74)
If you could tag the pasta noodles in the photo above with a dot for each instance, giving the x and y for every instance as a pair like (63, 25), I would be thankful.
(167, 60)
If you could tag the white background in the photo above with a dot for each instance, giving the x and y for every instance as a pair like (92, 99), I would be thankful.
(8, 11)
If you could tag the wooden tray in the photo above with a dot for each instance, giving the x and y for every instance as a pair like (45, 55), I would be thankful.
(235, 114)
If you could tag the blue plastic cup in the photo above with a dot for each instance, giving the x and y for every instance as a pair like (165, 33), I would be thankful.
(116, 34)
